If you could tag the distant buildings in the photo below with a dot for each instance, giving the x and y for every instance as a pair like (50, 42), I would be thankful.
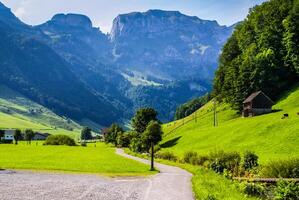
(9, 136)
(257, 103)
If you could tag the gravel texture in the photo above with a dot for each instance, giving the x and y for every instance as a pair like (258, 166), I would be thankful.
(171, 184)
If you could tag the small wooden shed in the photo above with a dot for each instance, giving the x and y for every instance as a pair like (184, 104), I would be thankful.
(257, 103)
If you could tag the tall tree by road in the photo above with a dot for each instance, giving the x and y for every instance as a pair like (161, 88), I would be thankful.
(142, 118)
(152, 136)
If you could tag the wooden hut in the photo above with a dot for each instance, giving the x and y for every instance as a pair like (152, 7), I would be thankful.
(257, 103)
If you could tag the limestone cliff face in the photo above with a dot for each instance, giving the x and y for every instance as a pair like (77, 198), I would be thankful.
(168, 44)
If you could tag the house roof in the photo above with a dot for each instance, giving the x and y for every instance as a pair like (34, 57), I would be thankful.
(42, 134)
(254, 95)
(9, 132)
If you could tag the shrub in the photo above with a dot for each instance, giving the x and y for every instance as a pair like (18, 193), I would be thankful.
(253, 189)
(83, 144)
(190, 157)
(60, 140)
(167, 156)
(250, 160)
(135, 145)
(211, 197)
(286, 190)
(281, 169)
(219, 161)
(123, 139)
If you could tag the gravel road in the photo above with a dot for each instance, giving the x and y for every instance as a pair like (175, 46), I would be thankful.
(171, 184)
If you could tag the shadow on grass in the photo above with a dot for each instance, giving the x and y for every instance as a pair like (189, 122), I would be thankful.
(171, 142)
(276, 110)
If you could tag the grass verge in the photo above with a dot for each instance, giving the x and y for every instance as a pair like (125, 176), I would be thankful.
(206, 184)
(100, 160)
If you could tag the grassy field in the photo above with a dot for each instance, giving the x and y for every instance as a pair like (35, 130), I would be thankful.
(100, 159)
(268, 135)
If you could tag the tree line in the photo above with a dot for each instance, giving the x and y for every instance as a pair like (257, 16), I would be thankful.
(191, 106)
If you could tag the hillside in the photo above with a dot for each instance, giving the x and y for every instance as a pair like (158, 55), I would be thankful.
(268, 135)
(16, 111)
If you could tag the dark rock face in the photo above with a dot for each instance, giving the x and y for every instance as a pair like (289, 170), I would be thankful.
(73, 36)
(72, 20)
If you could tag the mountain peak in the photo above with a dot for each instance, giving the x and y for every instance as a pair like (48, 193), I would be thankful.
(9, 18)
(2, 6)
(158, 12)
(74, 20)
(159, 21)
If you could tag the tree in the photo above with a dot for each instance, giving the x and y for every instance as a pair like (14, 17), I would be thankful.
(29, 135)
(2, 132)
(17, 135)
(86, 134)
(112, 133)
(142, 118)
(151, 137)
(123, 139)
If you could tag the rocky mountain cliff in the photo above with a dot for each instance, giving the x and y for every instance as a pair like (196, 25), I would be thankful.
(167, 44)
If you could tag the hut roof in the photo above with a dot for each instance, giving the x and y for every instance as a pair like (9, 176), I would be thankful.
(254, 95)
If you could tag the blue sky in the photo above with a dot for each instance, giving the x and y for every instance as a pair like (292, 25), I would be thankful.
(102, 12)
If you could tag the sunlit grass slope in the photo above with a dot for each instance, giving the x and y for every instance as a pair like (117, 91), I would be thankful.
(268, 135)
(100, 159)
(16, 111)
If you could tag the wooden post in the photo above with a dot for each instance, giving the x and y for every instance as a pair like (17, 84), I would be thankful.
(152, 157)
(215, 114)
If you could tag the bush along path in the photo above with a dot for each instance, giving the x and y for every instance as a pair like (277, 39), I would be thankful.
(172, 183)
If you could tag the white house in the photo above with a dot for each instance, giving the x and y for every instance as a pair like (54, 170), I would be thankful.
(9, 135)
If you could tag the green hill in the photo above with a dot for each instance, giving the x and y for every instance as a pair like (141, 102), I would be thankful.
(268, 135)
(16, 111)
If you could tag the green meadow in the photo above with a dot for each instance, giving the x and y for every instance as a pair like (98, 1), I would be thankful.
(270, 136)
(17, 111)
(100, 159)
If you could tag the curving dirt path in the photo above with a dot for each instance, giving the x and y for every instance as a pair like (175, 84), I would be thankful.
(171, 184)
